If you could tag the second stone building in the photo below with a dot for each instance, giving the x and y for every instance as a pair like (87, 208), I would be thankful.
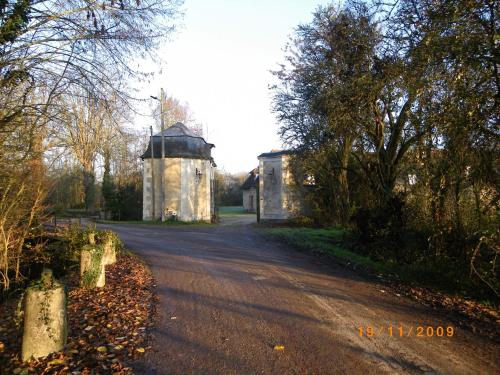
(279, 196)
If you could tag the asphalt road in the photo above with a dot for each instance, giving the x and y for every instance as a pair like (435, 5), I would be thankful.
(228, 296)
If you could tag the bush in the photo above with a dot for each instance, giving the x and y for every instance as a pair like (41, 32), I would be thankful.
(380, 229)
(108, 235)
(301, 222)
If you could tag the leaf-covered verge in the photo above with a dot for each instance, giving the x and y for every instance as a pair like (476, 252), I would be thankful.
(481, 317)
(107, 327)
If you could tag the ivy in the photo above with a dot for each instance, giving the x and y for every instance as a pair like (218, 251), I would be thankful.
(91, 275)
(13, 19)
(46, 284)
(110, 236)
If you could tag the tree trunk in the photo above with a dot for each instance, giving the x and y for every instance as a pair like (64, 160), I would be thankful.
(344, 204)
(89, 189)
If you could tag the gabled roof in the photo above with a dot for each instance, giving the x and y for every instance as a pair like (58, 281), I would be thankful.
(252, 179)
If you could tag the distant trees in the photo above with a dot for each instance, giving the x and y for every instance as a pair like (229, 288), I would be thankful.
(86, 124)
(176, 111)
(122, 178)
(394, 108)
(228, 189)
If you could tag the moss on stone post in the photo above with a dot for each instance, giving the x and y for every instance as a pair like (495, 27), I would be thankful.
(45, 320)
(92, 272)
(91, 237)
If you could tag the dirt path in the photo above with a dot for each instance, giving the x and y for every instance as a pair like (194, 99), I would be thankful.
(228, 296)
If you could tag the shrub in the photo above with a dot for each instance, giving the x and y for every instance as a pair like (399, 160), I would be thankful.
(108, 235)
(301, 221)
(380, 229)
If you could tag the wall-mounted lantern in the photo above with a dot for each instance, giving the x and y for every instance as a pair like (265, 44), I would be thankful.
(198, 175)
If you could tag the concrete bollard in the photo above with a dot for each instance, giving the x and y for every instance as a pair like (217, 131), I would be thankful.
(92, 271)
(91, 237)
(45, 319)
(110, 242)
(109, 256)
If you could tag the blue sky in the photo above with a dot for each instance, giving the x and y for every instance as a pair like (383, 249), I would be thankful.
(219, 62)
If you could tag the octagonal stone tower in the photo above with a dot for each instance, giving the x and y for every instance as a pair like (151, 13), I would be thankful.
(188, 177)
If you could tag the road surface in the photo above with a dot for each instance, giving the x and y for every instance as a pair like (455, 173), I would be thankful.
(229, 298)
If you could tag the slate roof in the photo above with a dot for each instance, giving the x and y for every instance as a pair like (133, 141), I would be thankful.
(275, 153)
(179, 142)
(252, 180)
(177, 130)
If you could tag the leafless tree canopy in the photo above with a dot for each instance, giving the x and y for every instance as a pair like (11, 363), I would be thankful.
(64, 67)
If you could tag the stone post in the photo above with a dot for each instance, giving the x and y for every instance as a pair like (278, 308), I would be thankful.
(45, 320)
(91, 238)
(109, 256)
(92, 272)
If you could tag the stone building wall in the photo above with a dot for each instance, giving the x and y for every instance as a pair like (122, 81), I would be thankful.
(194, 197)
(187, 195)
(250, 199)
(279, 200)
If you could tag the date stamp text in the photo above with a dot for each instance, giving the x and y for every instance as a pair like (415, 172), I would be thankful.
(405, 331)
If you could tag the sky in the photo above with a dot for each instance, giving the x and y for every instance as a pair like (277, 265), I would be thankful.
(219, 62)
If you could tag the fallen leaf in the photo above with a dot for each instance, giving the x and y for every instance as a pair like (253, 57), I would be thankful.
(279, 347)
(56, 362)
(90, 319)
(141, 350)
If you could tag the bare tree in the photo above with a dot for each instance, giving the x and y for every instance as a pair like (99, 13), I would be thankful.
(49, 51)
(175, 111)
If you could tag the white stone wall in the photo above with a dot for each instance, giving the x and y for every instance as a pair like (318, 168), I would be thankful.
(195, 190)
(278, 198)
(187, 195)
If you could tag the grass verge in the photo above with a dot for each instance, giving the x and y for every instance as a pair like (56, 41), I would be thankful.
(328, 241)
(431, 285)
(233, 210)
(336, 242)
